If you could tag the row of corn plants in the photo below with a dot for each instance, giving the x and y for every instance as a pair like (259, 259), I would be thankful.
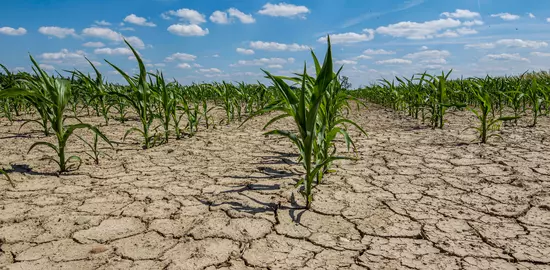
(493, 100)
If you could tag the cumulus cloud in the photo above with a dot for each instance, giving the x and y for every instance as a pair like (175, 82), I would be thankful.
(219, 17)
(64, 54)
(531, 15)
(349, 37)
(245, 51)
(209, 70)
(377, 52)
(58, 32)
(461, 14)
(114, 51)
(102, 23)
(395, 61)
(472, 23)
(184, 66)
(187, 30)
(480, 46)
(414, 30)
(284, 10)
(506, 57)
(275, 46)
(180, 57)
(12, 31)
(506, 16)
(189, 15)
(241, 16)
(519, 43)
(134, 19)
(345, 62)
(222, 17)
(47, 67)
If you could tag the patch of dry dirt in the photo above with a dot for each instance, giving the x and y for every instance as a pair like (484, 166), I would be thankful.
(416, 199)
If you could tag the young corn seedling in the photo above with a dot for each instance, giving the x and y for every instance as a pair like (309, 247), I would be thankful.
(98, 89)
(304, 109)
(439, 100)
(2, 172)
(95, 152)
(488, 125)
(54, 94)
(166, 102)
(139, 97)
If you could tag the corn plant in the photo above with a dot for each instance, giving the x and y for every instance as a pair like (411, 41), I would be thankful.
(488, 124)
(54, 94)
(139, 97)
(97, 88)
(165, 98)
(439, 102)
(2, 172)
(303, 106)
(95, 151)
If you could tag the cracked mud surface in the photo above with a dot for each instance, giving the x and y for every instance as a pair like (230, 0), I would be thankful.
(416, 199)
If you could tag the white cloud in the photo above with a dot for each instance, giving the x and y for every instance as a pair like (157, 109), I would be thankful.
(423, 48)
(345, 62)
(55, 31)
(540, 54)
(209, 70)
(132, 18)
(46, 67)
(429, 54)
(64, 54)
(461, 14)
(274, 46)
(180, 57)
(115, 51)
(188, 15)
(448, 33)
(506, 16)
(362, 57)
(480, 46)
(414, 30)
(395, 61)
(349, 37)
(459, 32)
(472, 23)
(101, 32)
(377, 52)
(245, 51)
(127, 29)
(275, 66)
(94, 44)
(519, 43)
(187, 30)
(219, 17)
(263, 62)
(12, 31)
(244, 18)
(102, 23)
(284, 10)
(184, 66)
(548, 20)
(197, 65)
(531, 15)
(505, 57)
(159, 65)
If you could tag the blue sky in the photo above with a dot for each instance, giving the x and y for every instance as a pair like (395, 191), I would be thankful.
(214, 40)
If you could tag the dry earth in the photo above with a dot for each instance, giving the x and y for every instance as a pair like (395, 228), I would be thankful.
(224, 199)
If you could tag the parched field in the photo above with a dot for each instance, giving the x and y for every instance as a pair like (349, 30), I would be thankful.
(417, 198)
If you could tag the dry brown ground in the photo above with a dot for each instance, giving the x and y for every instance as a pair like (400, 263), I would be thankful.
(416, 199)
